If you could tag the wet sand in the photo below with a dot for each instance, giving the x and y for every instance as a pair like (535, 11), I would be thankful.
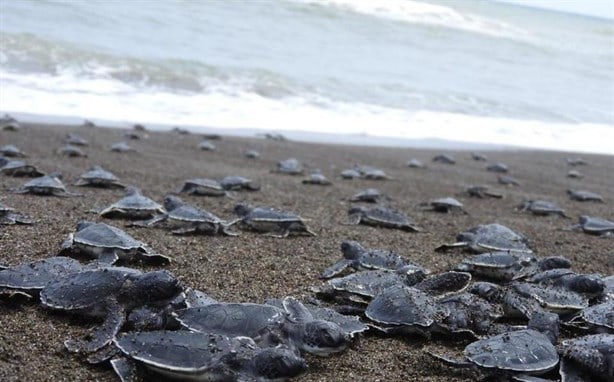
(253, 267)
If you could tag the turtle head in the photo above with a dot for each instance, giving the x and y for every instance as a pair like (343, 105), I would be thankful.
(351, 249)
(322, 338)
(83, 224)
(172, 202)
(587, 284)
(279, 363)
(465, 237)
(554, 262)
(55, 174)
(3, 161)
(96, 168)
(486, 290)
(152, 287)
(131, 190)
(357, 210)
(547, 323)
(242, 209)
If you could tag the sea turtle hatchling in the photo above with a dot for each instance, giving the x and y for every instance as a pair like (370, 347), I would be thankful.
(372, 173)
(576, 161)
(481, 191)
(444, 158)
(96, 176)
(541, 208)
(8, 123)
(121, 147)
(45, 185)
(503, 266)
(18, 168)
(237, 183)
(594, 226)
(183, 355)
(589, 285)
(497, 167)
(274, 222)
(598, 318)
(584, 196)
(444, 205)
(382, 217)
(206, 145)
(290, 166)
(107, 244)
(490, 237)
(369, 195)
(133, 205)
(30, 278)
(9, 216)
(109, 293)
(12, 151)
(414, 163)
(350, 174)
(589, 356)
(508, 180)
(478, 157)
(575, 174)
(203, 187)
(252, 154)
(317, 178)
(75, 140)
(72, 152)
(190, 219)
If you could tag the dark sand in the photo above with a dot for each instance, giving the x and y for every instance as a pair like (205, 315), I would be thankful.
(253, 267)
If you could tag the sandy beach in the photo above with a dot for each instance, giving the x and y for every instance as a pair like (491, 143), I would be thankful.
(252, 267)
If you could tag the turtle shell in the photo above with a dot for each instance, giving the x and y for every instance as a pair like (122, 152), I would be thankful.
(595, 225)
(553, 299)
(495, 237)
(134, 202)
(402, 305)
(384, 217)
(206, 145)
(97, 174)
(369, 195)
(584, 196)
(414, 163)
(188, 213)
(121, 147)
(350, 174)
(371, 282)
(105, 236)
(542, 207)
(203, 186)
(37, 274)
(290, 166)
(498, 265)
(601, 315)
(47, 182)
(11, 151)
(497, 167)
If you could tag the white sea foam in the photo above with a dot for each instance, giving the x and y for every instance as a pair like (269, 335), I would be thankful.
(227, 107)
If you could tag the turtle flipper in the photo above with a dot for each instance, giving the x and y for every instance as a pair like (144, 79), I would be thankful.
(125, 369)
(149, 222)
(296, 310)
(18, 190)
(104, 334)
(224, 227)
(102, 355)
(336, 268)
(7, 220)
(184, 230)
(445, 247)
(452, 361)
(107, 256)
(156, 258)
(354, 219)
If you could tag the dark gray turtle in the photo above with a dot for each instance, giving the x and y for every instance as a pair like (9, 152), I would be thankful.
(236, 183)
(180, 130)
(18, 168)
(45, 185)
(584, 196)
(442, 205)
(497, 167)
(96, 176)
(575, 162)
(121, 147)
(206, 145)
(597, 318)
(212, 136)
(12, 151)
(444, 158)
(190, 219)
(350, 174)
(470, 315)
(481, 191)
(132, 134)
(541, 208)
(183, 355)
(252, 154)
(504, 266)
(109, 293)
(564, 278)
(107, 244)
(290, 166)
(9, 216)
(369, 195)
(594, 226)
(382, 217)
(32, 277)
(72, 151)
(317, 178)
(203, 187)
(445, 283)
(139, 127)
(75, 139)
(575, 174)
(133, 206)
(195, 298)
(508, 180)
(414, 163)
(88, 123)
(275, 137)
(589, 356)
(490, 237)
(8, 123)
(359, 257)
(274, 222)
(372, 173)
(478, 157)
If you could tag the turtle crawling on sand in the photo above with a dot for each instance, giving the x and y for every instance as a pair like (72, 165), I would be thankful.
(236, 183)
(482, 191)
(274, 222)
(72, 152)
(444, 205)
(9, 216)
(444, 158)
(490, 237)
(316, 177)
(133, 205)
(382, 217)
(96, 176)
(594, 226)
(203, 187)
(30, 278)
(45, 186)
(541, 208)
(369, 195)
(584, 196)
(75, 140)
(12, 151)
(18, 168)
(121, 147)
(290, 166)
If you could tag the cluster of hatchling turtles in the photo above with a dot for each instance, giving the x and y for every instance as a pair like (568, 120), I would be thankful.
(522, 315)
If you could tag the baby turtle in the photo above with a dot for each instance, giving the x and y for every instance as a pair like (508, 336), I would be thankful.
(503, 266)
(497, 167)
(575, 162)
(132, 135)
(45, 185)
(133, 206)
(574, 174)
(139, 127)
(482, 191)
(382, 217)
(541, 208)
(507, 180)
(444, 158)
(75, 140)
(584, 196)
(372, 173)
(107, 244)
(470, 315)
(443, 205)
(88, 123)
(183, 355)
(566, 279)
(597, 318)
(414, 163)
(478, 157)
(8, 123)
(237, 183)
(18, 168)
(594, 226)
(359, 257)
(589, 355)
(206, 145)
(72, 152)
(252, 154)
(316, 177)
(9, 216)
(274, 222)
(32, 277)
(121, 147)
(203, 187)
(12, 151)
(290, 166)
(369, 195)
(109, 293)
(191, 219)
(96, 176)
(490, 237)
(180, 130)
(350, 174)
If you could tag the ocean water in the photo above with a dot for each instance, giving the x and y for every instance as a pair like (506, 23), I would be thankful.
(391, 70)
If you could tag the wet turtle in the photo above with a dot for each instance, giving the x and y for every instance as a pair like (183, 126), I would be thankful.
(470, 315)
(382, 217)
(121, 147)
(490, 237)
(18, 168)
(590, 356)
(75, 140)
(96, 176)
(507, 180)
(497, 167)
(72, 152)
(584, 196)
(206, 145)
(359, 257)
(575, 162)
(444, 158)
(481, 191)
(597, 318)
(30, 278)
(478, 157)
(45, 185)
(274, 222)
(236, 183)
(183, 355)
(594, 226)
(503, 266)
(8, 123)
(564, 278)
(350, 174)
(290, 166)
(541, 208)
(190, 219)
(107, 244)
(109, 293)
(12, 151)
(133, 206)
(574, 174)
(443, 205)
(317, 178)
(414, 163)
(298, 326)
(252, 154)
(9, 216)
(203, 187)
(369, 195)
